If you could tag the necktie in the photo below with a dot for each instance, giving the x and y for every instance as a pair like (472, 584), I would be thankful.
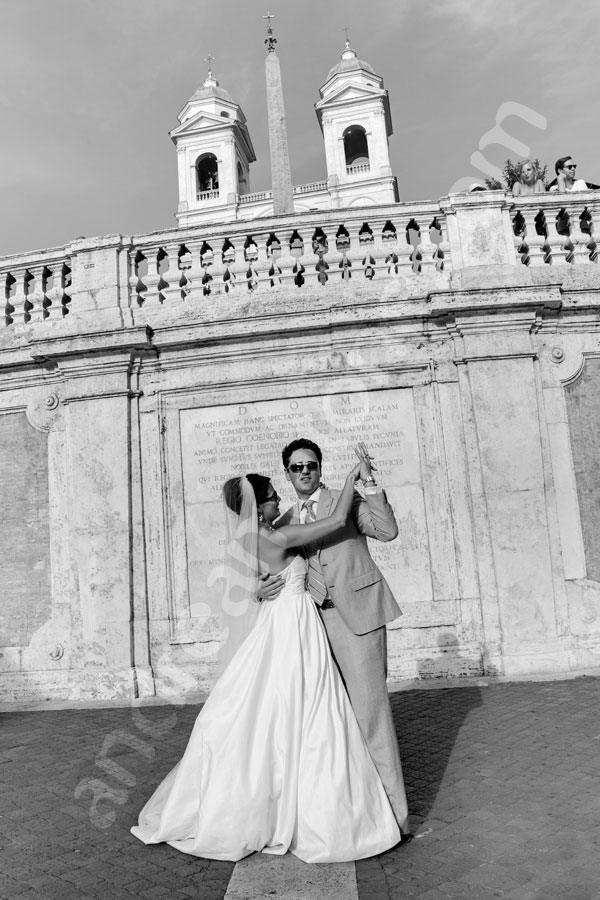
(316, 583)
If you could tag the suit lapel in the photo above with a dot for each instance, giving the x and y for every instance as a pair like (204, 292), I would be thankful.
(325, 503)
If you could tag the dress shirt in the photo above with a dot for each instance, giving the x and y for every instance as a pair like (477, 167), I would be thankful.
(314, 497)
(358, 487)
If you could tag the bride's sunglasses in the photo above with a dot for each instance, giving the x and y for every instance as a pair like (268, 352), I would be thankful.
(312, 466)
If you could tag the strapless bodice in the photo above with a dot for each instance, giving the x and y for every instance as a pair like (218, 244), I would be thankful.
(295, 575)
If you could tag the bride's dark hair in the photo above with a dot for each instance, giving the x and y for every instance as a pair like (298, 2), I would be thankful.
(232, 490)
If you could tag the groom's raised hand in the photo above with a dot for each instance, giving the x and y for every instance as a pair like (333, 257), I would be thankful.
(269, 587)
(367, 466)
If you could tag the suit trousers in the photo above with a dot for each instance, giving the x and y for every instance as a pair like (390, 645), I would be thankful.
(362, 661)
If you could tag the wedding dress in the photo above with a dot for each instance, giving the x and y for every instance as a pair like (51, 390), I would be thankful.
(276, 760)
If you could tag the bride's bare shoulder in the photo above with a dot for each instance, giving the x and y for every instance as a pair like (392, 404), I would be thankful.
(273, 537)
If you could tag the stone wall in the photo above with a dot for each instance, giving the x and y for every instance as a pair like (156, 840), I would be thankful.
(128, 395)
(24, 530)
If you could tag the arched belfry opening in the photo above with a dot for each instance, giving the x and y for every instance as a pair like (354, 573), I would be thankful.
(207, 173)
(356, 147)
(242, 179)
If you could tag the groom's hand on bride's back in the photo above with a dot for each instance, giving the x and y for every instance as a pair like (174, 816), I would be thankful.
(269, 587)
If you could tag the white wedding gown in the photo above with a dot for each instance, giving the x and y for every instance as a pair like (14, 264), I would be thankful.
(276, 760)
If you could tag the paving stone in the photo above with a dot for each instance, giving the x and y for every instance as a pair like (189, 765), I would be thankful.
(485, 770)
(502, 781)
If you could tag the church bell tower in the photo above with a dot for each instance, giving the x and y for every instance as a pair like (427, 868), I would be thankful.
(214, 152)
(354, 115)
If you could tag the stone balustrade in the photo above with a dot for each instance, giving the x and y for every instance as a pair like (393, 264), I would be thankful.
(358, 169)
(324, 249)
(256, 196)
(207, 195)
(259, 196)
(304, 250)
(310, 188)
(561, 229)
(37, 287)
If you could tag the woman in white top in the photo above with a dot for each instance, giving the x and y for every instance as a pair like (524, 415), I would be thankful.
(529, 181)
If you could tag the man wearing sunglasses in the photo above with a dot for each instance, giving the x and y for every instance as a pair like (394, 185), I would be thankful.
(566, 179)
(354, 600)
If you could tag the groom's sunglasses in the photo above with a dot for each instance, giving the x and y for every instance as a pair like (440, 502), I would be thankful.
(312, 466)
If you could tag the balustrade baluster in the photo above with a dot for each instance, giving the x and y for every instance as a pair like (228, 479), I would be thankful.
(378, 251)
(9, 292)
(245, 277)
(355, 253)
(169, 268)
(560, 237)
(579, 237)
(588, 237)
(18, 298)
(414, 240)
(306, 261)
(193, 274)
(230, 274)
(36, 311)
(534, 235)
(391, 249)
(337, 257)
(273, 249)
(438, 240)
(287, 264)
(217, 268)
(262, 262)
(138, 269)
(53, 292)
(151, 279)
(320, 248)
(207, 258)
(185, 262)
(366, 241)
(48, 280)
(65, 287)
(427, 248)
(296, 244)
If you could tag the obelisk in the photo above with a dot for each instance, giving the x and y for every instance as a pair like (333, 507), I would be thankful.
(281, 175)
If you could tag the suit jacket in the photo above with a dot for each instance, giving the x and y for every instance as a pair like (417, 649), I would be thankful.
(355, 584)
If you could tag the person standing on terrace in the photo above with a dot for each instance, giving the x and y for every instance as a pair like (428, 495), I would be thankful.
(565, 170)
(528, 181)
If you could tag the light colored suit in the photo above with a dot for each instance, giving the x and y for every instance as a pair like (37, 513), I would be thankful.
(356, 626)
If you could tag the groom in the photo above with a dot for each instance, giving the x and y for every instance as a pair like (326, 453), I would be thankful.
(354, 599)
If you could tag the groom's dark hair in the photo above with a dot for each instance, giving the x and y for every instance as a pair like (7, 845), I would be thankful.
(300, 444)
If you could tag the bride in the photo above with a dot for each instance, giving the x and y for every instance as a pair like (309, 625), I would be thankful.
(276, 760)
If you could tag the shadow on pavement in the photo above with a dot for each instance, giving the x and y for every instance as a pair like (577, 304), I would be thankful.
(428, 723)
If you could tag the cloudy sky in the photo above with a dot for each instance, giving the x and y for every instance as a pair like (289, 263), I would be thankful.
(91, 88)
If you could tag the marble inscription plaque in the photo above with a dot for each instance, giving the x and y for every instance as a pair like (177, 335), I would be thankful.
(229, 440)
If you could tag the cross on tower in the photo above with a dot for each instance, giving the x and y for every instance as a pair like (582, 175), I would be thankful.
(347, 28)
(270, 41)
(209, 59)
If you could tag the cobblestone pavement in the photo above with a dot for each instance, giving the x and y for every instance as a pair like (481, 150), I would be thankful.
(503, 781)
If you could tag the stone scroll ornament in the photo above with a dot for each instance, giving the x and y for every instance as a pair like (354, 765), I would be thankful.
(42, 411)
